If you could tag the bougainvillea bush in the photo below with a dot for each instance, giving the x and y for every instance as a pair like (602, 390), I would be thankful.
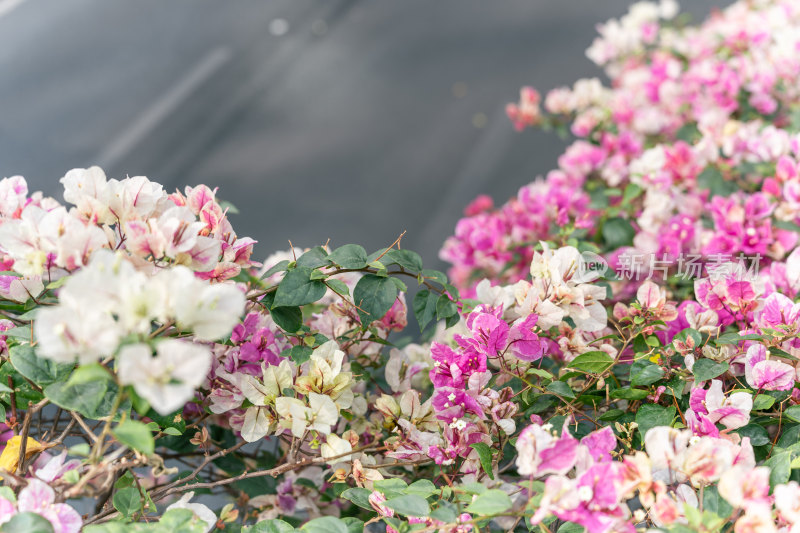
(613, 350)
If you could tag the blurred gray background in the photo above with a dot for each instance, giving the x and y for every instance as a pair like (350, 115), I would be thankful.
(349, 120)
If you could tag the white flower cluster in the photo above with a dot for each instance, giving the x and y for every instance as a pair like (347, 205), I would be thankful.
(559, 288)
(134, 214)
(109, 299)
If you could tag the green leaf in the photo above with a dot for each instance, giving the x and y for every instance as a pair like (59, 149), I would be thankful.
(8, 494)
(181, 521)
(689, 332)
(297, 288)
(402, 287)
(422, 488)
(27, 522)
(281, 266)
(595, 362)
(135, 435)
(645, 373)
(544, 374)
(758, 435)
(652, 415)
(409, 505)
(689, 132)
(732, 337)
(314, 258)
(618, 232)
(391, 487)
(793, 412)
(789, 436)
(349, 256)
(762, 401)
(491, 502)
(326, 524)
(41, 371)
(446, 512)
(374, 295)
(405, 258)
(485, 456)
(562, 389)
(425, 307)
(93, 398)
(780, 467)
(445, 308)
(288, 318)
(299, 354)
(708, 369)
(434, 275)
(354, 525)
(631, 191)
(338, 286)
(627, 393)
(715, 503)
(20, 332)
(712, 179)
(270, 526)
(127, 501)
(359, 497)
(451, 321)
(611, 415)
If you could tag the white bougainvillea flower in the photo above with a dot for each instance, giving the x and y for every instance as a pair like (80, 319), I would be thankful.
(86, 333)
(169, 379)
(135, 198)
(324, 375)
(787, 501)
(173, 233)
(13, 193)
(200, 511)
(258, 423)
(210, 311)
(20, 289)
(264, 391)
(666, 447)
(334, 449)
(319, 416)
(87, 189)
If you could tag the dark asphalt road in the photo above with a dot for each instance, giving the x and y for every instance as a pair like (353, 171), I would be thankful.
(318, 119)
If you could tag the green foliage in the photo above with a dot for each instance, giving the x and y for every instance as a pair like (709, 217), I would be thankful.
(706, 369)
(490, 502)
(595, 362)
(652, 415)
(485, 455)
(297, 288)
(27, 523)
(90, 391)
(135, 435)
(374, 296)
(41, 371)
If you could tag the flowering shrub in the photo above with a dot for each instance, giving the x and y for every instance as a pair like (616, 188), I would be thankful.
(614, 350)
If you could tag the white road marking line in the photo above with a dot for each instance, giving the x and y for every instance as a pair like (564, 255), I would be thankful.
(7, 6)
(163, 107)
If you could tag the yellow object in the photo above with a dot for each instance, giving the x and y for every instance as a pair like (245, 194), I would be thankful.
(9, 459)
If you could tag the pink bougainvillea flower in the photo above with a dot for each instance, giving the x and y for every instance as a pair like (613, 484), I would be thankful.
(523, 342)
(767, 374)
(37, 497)
(710, 407)
(541, 451)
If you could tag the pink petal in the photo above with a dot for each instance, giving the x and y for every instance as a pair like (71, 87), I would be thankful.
(773, 375)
